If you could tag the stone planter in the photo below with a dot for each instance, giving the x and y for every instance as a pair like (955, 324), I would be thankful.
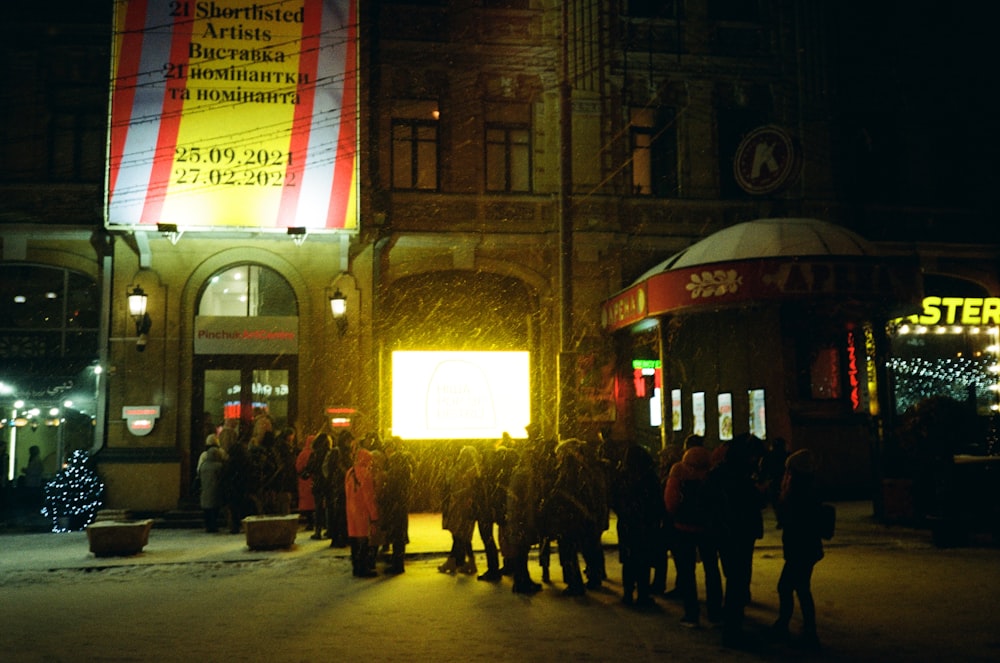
(271, 532)
(110, 537)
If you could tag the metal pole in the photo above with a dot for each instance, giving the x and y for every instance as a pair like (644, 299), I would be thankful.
(567, 365)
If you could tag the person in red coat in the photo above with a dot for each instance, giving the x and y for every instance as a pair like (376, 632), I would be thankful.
(693, 535)
(307, 504)
(362, 512)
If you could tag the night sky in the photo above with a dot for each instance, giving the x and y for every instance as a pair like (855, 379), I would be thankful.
(913, 99)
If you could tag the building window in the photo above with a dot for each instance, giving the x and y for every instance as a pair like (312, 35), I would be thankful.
(414, 154)
(654, 152)
(247, 291)
(734, 10)
(508, 158)
(652, 9)
(76, 146)
(506, 4)
(824, 374)
(47, 313)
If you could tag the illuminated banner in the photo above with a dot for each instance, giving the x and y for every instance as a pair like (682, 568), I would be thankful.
(234, 113)
(460, 395)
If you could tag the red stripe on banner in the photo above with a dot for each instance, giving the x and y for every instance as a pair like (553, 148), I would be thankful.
(298, 145)
(170, 123)
(340, 194)
(126, 79)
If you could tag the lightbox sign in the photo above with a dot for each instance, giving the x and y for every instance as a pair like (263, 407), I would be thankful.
(460, 395)
(234, 113)
(231, 335)
(140, 419)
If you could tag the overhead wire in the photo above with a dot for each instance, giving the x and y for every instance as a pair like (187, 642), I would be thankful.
(513, 55)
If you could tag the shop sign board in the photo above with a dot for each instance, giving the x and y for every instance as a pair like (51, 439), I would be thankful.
(230, 335)
(767, 160)
(234, 114)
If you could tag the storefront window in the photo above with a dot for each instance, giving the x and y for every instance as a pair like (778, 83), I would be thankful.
(955, 361)
(824, 374)
(49, 377)
(949, 349)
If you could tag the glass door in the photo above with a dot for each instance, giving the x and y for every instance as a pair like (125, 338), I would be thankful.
(240, 387)
(242, 394)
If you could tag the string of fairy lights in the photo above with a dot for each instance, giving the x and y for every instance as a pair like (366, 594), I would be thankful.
(74, 496)
(918, 378)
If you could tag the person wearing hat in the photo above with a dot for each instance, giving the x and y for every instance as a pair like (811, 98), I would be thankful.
(798, 517)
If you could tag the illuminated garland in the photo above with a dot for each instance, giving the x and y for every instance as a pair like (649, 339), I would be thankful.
(917, 379)
(74, 496)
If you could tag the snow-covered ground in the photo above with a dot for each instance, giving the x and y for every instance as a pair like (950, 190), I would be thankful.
(882, 595)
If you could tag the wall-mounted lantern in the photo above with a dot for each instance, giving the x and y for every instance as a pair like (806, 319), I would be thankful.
(137, 309)
(338, 306)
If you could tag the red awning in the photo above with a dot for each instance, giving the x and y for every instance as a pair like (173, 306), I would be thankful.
(765, 261)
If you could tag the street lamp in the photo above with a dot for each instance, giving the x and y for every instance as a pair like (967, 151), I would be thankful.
(137, 309)
(338, 306)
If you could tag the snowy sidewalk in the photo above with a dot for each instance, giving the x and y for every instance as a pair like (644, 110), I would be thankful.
(42, 552)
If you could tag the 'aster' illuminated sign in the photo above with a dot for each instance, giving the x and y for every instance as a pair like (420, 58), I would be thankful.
(959, 311)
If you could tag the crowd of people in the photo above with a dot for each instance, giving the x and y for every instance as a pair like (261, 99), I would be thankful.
(696, 506)
(699, 507)
(354, 492)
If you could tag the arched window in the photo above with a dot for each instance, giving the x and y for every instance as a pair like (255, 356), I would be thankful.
(247, 291)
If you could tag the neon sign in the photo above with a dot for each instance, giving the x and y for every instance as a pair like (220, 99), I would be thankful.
(958, 311)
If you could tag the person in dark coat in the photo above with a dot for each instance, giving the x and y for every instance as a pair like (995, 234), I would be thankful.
(544, 467)
(797, 512)
(335, 467)
(491, 502)
(772, 469)
(571, 511)
(265, 472)
(394, 502)
(458, 514)
(736, 499)
(599, 475)
(285, 479)
(638, 502)
(520, 531)
(238, 479)
(210, 469)
(321, 446)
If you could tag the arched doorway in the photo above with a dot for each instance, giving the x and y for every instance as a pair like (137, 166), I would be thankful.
(245, 352)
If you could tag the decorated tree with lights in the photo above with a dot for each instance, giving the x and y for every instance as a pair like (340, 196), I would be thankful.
(74, 496)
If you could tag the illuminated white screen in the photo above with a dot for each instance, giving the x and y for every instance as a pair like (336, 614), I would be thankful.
(459, 395)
